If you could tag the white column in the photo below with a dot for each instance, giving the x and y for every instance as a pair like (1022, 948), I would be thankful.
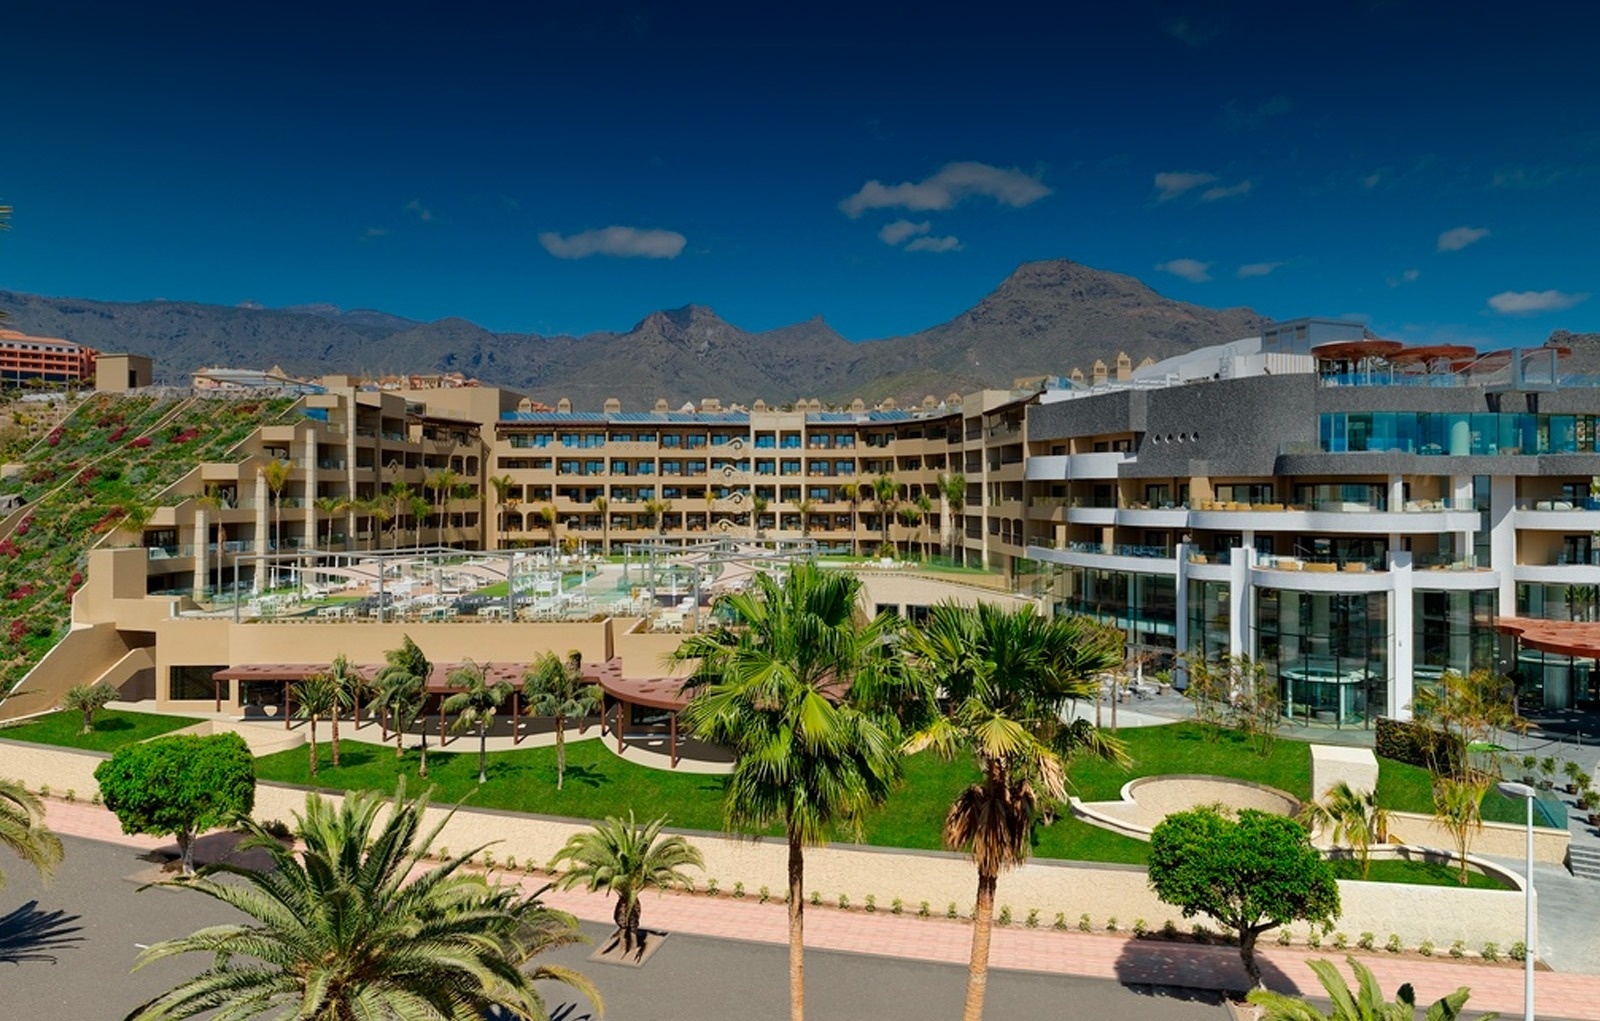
(202, 551)
(1239, 561)
(1461, 499)
(1402, 629)
(1180, 626)
(262, 500)
(309, 502)
(1503, 539)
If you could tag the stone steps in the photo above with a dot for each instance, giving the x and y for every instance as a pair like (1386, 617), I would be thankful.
(1585, 861)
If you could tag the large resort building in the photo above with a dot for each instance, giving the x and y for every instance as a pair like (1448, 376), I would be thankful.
(1356, 515)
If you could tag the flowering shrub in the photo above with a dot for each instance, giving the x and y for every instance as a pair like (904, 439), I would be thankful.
(8, 548)
(117, 434)
(54, 437)
(22, 591)
(19, 630)
(140, 443)
(88, 475)
(186, 435)
(77, 579)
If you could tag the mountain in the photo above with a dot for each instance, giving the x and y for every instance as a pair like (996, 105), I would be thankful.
(1585, 348)
(1045, 318)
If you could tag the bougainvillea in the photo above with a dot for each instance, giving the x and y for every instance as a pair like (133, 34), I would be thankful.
(22, 591)
(140, 443)
(185, 436)
(117, 434)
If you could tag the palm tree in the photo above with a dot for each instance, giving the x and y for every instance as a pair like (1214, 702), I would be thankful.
(397, 497)
(327, 507)
(953, 488)
(135, 516)
(1364, 1003)
(403, 692)
(315, 697)
(1006, 678)
(1458, 808)
(806, 507)
(1352, 817)
(758, 507)
(602, 507)
(442, 483)
(554, 687)
(546, 517)
(503, 485)
(910, 517)
(379, 514)
(885, 494)
(419, 508)
(924, 512)
(355, 926)
(347, 684)
(777, 688)
(23, 832)
(475, 706)
(88, 699)
(277, 472)
(213, 499)
(626, 859)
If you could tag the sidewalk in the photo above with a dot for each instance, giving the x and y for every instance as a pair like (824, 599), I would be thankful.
(1120, 959)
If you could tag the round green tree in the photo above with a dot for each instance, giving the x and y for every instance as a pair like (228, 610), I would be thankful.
(179, 787)
(1252, 874)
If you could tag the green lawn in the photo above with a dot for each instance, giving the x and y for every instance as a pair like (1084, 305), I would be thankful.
(1417, 873)
(112, 729)
(1184, 748)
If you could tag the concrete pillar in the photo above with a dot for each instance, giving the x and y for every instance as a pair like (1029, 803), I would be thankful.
(1180, 628)
(1402, 634)
(1239, 602)
(309, 502)
(263, 500)
(202, 551)
(1503, 538)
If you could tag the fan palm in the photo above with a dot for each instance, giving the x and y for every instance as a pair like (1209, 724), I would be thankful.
(22, 829)
(1365, 1003)
(1352, 817)
(475, 706)
(328, 506)
(402, 687)
(886, 495)
(277, 475)
(554, 687)
(1006, 677)
(776, 689)
(351, 927)
(625, 859)
(504, 485)
(315, 698)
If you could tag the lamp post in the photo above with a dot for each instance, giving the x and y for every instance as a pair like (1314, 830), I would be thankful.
(1527, 794)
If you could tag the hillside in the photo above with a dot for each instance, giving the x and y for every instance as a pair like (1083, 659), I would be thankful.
(1047, 317)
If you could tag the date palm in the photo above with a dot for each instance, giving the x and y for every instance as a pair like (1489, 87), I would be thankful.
(806, 508)
(625, 859)
(503, 488)
(354, 926)
(402, 686)
(602, 507)
(316, 697)
(1352, 817)
(546, 517)
(953, 488)
(443, 483)
(886, 495)
(277, 474)
(328, 507)
(1007, 677)
(776, 687)
(475, 706)
(554, 687)
(88, 699)
(758, 507)
(23, 832)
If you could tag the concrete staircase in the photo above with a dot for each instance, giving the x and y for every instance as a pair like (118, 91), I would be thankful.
(1585, 861)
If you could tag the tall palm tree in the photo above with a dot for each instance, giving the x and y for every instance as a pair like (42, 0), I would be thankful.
(503, 488)
(328, 507)
(953, 487)
(442, 483)
(924, 512)
(910, 517)
(1351, 817)
(397, 497)
(316, 697)
(602, 507)
(554, 687)
(475, 706)
(656, 511)
(277, 473)
(213, 499)
(546, 517)
(402, 687)
(378, 513)
(1006, 678)
(777, 688)
(23, 832)
(346, 684)
(419, 508)
(758, 507)
(806, 507)
(886, 495)
(354, 926)
(626, 859)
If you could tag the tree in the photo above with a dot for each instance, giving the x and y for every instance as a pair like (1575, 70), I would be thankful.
(924, 512)
(953, 488)
(655, 511)
(419, 508)
(136, 514)
(1467, 709)
(397, 499)
(475, 706)
(1365, 1003)
(315, 697)
(23, 832)
(1252, 874)
(379, 513)
(1458, 808)
(504, 486)
(602, 507)
(910, 518)
(1006, 678)
(277, 473)
(546, 516)
(356, 926)
(555, 687)
(806, 508)
(403, 692)
(328, 507)
(1352, 818)
(88, 699)
(776, 688)
(885, 494)
(214, 500)
(179, 787)
(625, 859)
(758, 507)
(443, 482)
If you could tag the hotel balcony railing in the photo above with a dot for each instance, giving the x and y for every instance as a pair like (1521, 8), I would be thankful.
(1559, 503)
(1575, 558)
(1319, 563)
(1120, 550)
(1222, 556)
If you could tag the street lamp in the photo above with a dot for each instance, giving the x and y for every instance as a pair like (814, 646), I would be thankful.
(1527, 794)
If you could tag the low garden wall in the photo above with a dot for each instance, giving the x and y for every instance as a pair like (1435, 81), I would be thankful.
(1496, 839)
(1414, 913)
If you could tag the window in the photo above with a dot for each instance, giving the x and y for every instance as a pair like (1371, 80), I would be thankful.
(194, 682)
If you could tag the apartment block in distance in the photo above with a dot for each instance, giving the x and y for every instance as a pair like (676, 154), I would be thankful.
(24, 358)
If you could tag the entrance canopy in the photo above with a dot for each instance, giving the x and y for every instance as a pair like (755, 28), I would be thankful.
(1563, 637)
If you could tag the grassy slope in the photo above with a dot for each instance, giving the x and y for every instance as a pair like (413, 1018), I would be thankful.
(112, 729)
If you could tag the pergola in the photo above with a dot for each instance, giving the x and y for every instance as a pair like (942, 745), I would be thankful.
(664, 693)
(1563, 637)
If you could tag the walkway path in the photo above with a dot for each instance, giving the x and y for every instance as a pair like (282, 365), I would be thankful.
(1126, 960)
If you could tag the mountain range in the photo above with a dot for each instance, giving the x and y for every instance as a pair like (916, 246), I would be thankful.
(1045, 318)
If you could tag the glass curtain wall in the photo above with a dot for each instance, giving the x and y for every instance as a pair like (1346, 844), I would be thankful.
(1143, 605)
(1550, 680)
(1453, 631)
(1208, 618)
(1328, 653)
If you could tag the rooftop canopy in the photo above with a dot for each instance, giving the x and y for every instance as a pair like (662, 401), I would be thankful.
(1563, 637)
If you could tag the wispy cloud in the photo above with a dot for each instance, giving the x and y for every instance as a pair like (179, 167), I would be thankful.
(1192, 270)
(1530, 177)
(1239, 118)
(1174, 183)
(1410, 276)
(1191, 33)
(1513, 303)
(952, 184)
(1226, 192)
(373, 233)
(899, 230)
(1372, 180)
(933, 244)
(624, 242)
(420, 211)
(1457, 238)
(1256, 269)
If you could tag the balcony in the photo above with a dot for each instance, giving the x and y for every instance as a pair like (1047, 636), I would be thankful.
(1334, 516)
(1559, 515)
(1106, 556)
(1061, 467)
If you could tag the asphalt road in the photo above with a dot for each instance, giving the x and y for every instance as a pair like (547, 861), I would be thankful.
(66, 951)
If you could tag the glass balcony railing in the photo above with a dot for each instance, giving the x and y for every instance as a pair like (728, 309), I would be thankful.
(1559, 503)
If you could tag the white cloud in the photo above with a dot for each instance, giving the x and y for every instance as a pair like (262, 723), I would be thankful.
(1512, 303)
(373, 233)
(1256, 269)
(1174, 183)
(1228, 192)
(953, 183)
(1457, 238)
(1539, 175)
(421, 211)
(932, 244)
(627, 242)
(1192, 270)
(1410, 276)
(899, 230)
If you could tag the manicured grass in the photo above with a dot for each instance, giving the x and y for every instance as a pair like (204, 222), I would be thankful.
(1416, 873)
(112, 729)
(1186, 748)
(1407, 788)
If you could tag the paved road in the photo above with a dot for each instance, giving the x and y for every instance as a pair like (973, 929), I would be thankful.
(70, 946)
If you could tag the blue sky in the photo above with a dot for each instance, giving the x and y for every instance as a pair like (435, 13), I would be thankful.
(572, 167)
